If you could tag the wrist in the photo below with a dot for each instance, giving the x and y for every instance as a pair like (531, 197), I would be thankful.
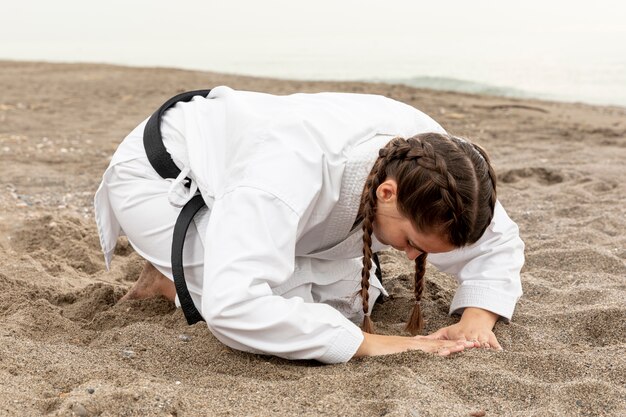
(364, 347)
(376, 344)
(479, 316)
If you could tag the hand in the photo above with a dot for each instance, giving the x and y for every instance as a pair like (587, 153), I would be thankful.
(374, 345)
(475, 325)
(441, 347)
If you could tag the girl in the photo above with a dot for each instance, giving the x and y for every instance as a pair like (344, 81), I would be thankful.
(300, 192)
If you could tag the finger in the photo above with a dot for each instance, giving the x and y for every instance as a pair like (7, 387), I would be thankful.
(445, 351)
(483, 339)
(475, 342)
(493, 341)
(449, 346)
(472, 336)
(467, 344)
(456, 348)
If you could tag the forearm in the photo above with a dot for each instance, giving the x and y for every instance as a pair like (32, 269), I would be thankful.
(375, 344)
(288, 328)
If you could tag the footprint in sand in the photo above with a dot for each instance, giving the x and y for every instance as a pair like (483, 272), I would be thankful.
(541, 175)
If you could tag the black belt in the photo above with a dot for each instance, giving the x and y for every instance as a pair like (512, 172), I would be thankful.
(163, 164)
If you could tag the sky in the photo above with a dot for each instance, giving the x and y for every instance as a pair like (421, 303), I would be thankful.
(62, 18)
(503, 42)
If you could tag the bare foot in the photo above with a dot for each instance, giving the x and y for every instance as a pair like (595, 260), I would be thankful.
(151, 283)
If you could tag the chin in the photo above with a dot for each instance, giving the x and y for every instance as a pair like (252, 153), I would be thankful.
(379, 238)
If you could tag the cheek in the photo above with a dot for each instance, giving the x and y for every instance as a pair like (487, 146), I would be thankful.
(386, 235)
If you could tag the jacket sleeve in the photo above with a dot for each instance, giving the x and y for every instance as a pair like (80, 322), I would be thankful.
(488, 271)
(250, 249)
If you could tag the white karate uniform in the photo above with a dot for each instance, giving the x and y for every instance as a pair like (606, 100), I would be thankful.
(273, 263)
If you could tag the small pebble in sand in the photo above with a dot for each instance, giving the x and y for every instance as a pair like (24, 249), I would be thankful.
(91, 390)
(184, 338)
(480, 413)
(79, 410)
(127, 353)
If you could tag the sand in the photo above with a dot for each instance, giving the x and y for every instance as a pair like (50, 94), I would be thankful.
(68, 349)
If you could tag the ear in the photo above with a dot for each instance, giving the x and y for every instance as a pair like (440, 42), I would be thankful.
(387, 192)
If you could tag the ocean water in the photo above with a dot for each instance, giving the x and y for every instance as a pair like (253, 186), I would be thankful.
(557, 50)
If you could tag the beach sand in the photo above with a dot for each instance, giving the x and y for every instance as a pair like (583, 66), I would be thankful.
(68, 349)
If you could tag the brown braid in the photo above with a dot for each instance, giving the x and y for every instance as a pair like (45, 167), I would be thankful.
(368, 210)
(446, 185)
(416, 320)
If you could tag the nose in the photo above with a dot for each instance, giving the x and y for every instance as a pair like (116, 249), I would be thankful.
(412, 253)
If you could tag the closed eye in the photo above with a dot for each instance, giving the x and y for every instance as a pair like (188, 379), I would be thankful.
(414, 246)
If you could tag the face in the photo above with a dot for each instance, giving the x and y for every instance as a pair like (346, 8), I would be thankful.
(392, 228)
